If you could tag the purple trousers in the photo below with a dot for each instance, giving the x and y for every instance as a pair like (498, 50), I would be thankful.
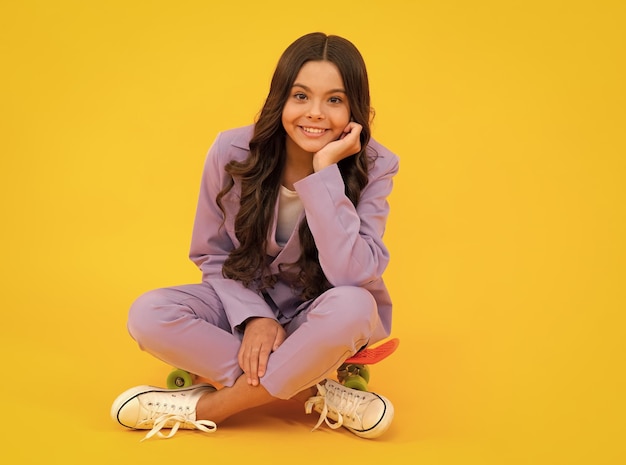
(186, 327)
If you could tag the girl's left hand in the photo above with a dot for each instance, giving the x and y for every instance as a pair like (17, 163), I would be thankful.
(348, 144)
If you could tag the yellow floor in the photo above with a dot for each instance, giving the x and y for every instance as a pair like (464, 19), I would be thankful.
(506, 233)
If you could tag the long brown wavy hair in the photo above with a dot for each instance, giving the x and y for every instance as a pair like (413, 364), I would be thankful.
(260, 173)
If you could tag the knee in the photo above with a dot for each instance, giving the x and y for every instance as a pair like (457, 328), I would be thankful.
(356, 297)
(146, 316)
(351, 304)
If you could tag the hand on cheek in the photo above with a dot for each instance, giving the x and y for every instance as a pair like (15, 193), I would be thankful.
(349, 143)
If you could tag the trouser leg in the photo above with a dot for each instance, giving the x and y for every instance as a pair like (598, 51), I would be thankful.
(186, 327)
(336, 325)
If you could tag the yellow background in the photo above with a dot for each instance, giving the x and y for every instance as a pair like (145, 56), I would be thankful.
(506, 233)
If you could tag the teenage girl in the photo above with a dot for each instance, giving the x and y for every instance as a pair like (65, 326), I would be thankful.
(288, 235)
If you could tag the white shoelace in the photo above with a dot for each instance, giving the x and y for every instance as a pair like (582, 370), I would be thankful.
(341, 403)
(174, 421)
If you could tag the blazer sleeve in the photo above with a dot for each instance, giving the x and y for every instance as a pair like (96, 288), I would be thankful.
(349, 239)
(211, 244)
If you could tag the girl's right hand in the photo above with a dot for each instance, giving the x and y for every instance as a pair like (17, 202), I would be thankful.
(261, 337)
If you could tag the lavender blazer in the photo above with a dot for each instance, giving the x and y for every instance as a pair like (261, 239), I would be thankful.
(349, 239)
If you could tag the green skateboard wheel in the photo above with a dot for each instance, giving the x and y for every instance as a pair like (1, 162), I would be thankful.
(355, 382)
(179, 379)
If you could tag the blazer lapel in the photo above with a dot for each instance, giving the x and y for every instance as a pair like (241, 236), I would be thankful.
(290, 252)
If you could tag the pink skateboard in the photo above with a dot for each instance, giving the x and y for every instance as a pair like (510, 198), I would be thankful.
(355, 372)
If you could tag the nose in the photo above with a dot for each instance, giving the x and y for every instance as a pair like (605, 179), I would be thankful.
(315, 111)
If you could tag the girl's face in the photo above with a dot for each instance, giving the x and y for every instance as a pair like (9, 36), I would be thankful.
(317, 110)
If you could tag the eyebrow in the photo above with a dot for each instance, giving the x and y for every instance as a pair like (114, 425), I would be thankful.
(332, 91)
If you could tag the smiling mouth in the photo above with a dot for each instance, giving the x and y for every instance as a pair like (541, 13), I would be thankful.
(313, 130)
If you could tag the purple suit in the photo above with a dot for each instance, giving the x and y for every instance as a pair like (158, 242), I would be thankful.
(196, 327)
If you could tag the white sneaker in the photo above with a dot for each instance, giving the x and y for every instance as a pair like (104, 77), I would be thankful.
(153, 408)
(366, 414)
